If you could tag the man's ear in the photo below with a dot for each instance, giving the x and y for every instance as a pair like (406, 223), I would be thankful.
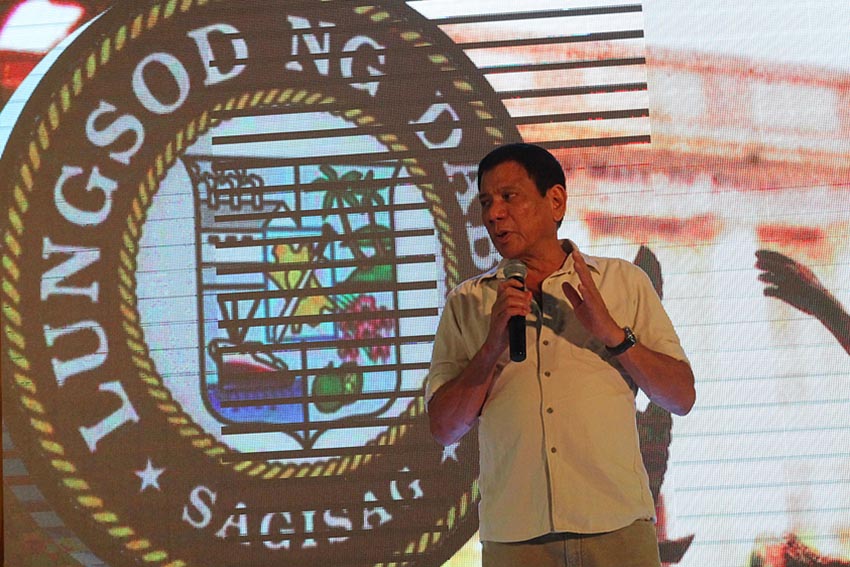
(557, 195)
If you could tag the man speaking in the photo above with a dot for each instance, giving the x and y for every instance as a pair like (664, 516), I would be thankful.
(561, 476)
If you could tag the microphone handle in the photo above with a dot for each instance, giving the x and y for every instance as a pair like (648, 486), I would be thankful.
(516, 336)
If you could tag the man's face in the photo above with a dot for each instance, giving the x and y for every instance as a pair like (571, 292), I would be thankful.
(518, 218)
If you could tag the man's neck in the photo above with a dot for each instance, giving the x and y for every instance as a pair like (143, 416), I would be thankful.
(544, 265)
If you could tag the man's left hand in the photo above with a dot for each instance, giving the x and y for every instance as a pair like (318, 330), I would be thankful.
(589, 306)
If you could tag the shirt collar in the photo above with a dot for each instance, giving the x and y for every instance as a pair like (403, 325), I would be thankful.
(591, 261)
(498, 272)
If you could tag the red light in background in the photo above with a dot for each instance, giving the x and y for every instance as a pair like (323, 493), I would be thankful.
(699, 229)
(15, 66)
(811, 241)
(29, 30)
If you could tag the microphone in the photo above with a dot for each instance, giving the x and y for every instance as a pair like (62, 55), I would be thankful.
(516, 325)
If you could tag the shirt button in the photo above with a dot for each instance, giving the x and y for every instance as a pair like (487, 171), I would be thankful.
(547, 373)
(554, 450)
(549, 410)
(545, 343)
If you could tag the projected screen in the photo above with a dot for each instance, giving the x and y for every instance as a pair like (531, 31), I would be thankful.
(228, 229)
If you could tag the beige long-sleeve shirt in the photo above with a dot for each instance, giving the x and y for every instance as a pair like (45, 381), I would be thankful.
(559, 449)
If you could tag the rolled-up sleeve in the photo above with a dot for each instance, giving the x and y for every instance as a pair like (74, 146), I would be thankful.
(449, 356)
(652, 325)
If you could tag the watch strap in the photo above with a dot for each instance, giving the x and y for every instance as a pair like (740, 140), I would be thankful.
(628, 342)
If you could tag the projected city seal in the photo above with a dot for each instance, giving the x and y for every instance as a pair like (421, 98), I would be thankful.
(228, 228)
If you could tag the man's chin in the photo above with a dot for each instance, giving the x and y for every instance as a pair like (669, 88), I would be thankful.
(503, 252)
(504, 249)
(507, 253)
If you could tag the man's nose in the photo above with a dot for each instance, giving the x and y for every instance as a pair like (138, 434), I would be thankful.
(495, 211)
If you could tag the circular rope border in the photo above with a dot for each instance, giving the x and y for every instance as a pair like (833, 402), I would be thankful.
(12, 318)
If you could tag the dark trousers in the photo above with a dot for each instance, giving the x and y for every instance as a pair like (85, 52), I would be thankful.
(635, 545)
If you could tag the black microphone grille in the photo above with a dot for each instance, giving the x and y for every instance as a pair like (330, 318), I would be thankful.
(515, 269)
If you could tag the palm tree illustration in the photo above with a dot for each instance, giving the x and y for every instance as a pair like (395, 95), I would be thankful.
(340, 196)
(337, 387)
(369, 196)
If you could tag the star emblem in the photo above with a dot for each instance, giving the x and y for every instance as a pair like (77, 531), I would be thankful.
(450, 452)
(149, 476)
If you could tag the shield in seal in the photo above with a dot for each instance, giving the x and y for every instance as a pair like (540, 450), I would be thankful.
(301, 301)
(222, 262)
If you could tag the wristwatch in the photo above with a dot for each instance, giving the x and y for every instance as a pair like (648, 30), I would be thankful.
(628, 342)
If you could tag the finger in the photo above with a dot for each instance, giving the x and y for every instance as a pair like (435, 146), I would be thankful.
(510, 297)
(587, 287)
(583, 271)
(518, 292)
(517, 309)
(503, 317)
(773, 266)
(773, 255)
(572, 295)
(770, 278)
(775, 291)
(503, 313)
(518, 297)
(511, 283)
(766, 258)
